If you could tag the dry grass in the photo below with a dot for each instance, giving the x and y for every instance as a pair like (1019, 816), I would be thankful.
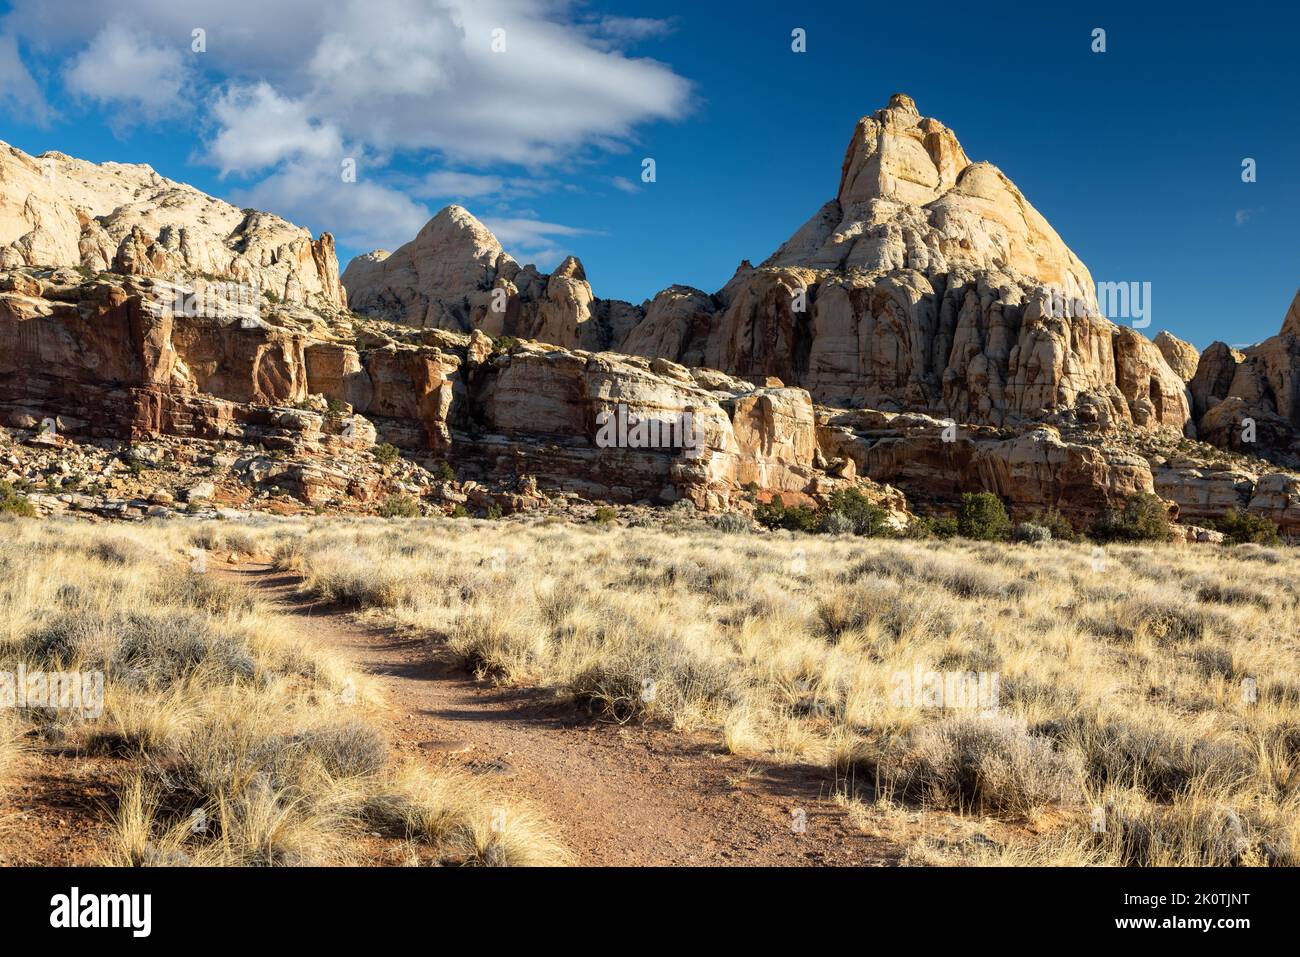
(243, 743)
(1149, 688)
(1147, 706)
(8, 748)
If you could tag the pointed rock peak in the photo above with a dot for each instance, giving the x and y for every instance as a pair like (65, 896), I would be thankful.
(453, 256)
(571, 268)
(910, 198)
(1291, 325)
(901, 101)
(374, 256)
(899, 155)
(455, 232)
(454, 218)
(737, 280)
(1182, 357)
(1219, 350)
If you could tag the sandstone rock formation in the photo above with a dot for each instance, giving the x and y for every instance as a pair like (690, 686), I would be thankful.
(430, 280)
(1291, 325)
(928, 284)
(1181, 356)
(926, 334)
(1249, 400)
(56, 210)
(111, 358)
(910, 198)
(1031, 472)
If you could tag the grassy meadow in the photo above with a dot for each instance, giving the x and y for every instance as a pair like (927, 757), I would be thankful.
(232, 740)
(1137, 705)
(1126, 705)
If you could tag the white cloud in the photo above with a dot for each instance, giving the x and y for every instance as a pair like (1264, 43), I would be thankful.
(259, 128)
(129, 70)
(459, 184)
(311, 83)
(362, 215)
(1243, 216)
(391, 74)
(19, 92)
(625, 184)
(438, 85)
(527, 233)
(533, 240)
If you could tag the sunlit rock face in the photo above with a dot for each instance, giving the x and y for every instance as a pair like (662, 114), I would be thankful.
(56, 210)
(929, 283)
(1248, 400)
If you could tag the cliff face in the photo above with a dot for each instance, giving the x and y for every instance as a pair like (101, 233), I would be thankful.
(925, 330)
(1249, 400)
(160, 343)
(111, 358)
(928, 284)
(59, 211)
(927, 289)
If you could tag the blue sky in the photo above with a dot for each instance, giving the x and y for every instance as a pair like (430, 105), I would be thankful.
(1134, 155)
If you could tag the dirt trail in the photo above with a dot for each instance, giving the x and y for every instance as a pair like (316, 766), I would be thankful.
(619, 795)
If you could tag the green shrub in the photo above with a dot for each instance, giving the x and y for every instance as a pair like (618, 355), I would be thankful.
(1030, 533)
(444, 472)
(730, 523)
(14, 503)
(922, 526)
(605, 515)
(864, 516)
(1143, 519)
(400, 506)
(837, 523)
(795, 518)
(944, 526)
(492, 513)
(1241, 528)
(982, 516)
(386, 453)
(1056, 523)
(460, 511)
